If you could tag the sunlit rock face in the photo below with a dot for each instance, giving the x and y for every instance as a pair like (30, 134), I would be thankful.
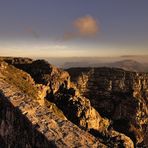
(119, 95)
(55, 86)
(27, 122)
(67, 97)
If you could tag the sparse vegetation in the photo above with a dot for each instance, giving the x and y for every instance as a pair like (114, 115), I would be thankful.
(21, 80)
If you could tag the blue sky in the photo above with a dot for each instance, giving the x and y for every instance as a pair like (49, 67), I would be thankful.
(38, 27)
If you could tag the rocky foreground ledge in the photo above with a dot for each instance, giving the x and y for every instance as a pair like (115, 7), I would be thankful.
(60, 111)
(26, 122)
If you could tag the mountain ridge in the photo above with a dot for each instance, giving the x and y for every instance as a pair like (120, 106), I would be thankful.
(127, 64)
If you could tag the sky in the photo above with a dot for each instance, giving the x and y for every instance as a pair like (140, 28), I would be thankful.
(73, 28)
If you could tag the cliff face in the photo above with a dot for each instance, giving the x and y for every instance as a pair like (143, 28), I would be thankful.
(119, 95)
(61, 91)
(26, 122)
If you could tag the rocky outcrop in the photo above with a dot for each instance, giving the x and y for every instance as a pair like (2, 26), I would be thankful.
(54, 84)
(119, 95)
(75, 107)
(25, 122)
(62, 92)
(16, 60)
(19, 79)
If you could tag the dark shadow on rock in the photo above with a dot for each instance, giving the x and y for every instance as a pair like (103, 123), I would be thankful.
(22, 133)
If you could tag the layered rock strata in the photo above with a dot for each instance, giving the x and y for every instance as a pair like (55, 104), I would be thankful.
(119, 95)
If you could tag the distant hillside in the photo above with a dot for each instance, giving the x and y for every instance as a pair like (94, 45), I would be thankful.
(130, 65)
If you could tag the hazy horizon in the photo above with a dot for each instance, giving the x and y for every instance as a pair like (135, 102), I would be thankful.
(86, 61)
(73, 28)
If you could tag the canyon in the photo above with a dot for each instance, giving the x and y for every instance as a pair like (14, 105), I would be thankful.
(79, 107)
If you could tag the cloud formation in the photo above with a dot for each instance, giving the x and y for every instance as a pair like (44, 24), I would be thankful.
(86, 26)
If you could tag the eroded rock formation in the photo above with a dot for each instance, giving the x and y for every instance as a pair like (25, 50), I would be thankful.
(119, 95)
(55, 85)
(24, 122)
(62, 92)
